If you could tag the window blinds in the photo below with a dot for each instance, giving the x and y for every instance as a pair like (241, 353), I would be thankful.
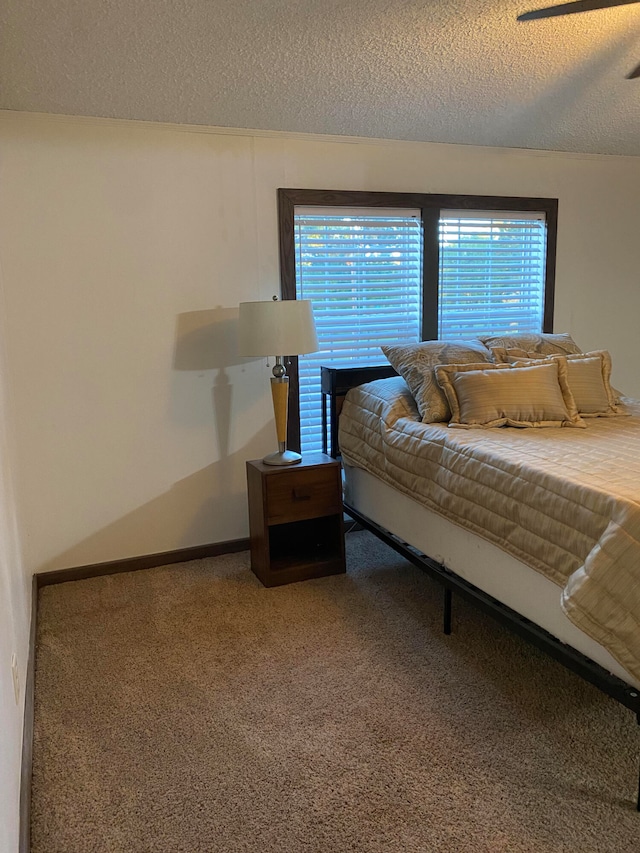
(362, 270)
(492, 272)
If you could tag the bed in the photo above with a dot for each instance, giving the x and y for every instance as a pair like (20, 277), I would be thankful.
(541, 527)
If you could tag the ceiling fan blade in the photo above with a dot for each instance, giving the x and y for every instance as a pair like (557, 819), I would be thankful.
(634, 74)
(572, 8)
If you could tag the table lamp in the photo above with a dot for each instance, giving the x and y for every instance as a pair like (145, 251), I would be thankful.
(285, 327)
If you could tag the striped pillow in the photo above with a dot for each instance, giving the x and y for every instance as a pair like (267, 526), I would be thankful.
(535, 395)
(588, 375)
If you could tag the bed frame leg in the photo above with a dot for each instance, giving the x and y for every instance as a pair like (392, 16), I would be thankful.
(447, 616)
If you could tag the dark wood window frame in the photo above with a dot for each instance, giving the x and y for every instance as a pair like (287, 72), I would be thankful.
(430, 205)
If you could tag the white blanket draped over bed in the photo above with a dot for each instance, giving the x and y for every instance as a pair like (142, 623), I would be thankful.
(564, 501)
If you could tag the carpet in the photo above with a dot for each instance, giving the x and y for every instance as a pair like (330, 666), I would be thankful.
(188, 708)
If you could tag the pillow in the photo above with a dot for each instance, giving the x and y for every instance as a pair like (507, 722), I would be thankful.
(536, 395)
(532, 343)
(416, 364)
(502, 355)
(588, 375)
(444, 374)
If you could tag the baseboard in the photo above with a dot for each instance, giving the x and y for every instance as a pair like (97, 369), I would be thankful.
(27, 728)
(146, 561)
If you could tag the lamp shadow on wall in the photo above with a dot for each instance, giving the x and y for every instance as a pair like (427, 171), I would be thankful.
(207, 341)
(211, 499)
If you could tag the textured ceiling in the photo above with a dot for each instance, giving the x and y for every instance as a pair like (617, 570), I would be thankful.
(461, 71)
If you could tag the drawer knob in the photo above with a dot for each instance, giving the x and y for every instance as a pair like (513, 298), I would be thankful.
(300, 496)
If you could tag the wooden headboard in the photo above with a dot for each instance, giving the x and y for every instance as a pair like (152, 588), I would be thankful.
(334, 383)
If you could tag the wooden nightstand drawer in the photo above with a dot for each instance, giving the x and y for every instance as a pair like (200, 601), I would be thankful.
(303, 493)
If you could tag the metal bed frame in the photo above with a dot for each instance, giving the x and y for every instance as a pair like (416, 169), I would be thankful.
(335, 382)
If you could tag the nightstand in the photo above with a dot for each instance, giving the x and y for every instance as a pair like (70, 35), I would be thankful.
(295, 520)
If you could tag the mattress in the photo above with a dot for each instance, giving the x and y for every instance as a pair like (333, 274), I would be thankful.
(563, 502)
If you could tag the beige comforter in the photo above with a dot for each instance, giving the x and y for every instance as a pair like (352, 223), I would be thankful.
(564, 501)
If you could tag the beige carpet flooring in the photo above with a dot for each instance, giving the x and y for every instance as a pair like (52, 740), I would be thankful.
(187, 708)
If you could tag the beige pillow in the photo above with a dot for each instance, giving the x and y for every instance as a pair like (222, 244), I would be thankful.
(531, 343)
(502, 355)
(536, 395)
(588, 375)
(416, 364)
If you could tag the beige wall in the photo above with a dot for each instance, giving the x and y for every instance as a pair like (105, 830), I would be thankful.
(13, 639)
(126, 248)
(14, 630)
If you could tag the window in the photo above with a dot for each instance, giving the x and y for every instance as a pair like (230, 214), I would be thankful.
(386, 267)
(491, 273)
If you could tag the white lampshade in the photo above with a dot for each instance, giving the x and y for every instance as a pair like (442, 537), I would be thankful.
(278, 327)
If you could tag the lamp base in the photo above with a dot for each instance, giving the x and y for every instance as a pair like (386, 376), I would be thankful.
(282, 457)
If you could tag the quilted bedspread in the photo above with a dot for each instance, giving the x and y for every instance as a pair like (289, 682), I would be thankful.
(564, 501)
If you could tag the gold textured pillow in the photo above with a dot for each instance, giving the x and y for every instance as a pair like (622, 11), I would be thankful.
(588, 375)
(416, 364)
(531, 343)
(537, 395)
(502, 355)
